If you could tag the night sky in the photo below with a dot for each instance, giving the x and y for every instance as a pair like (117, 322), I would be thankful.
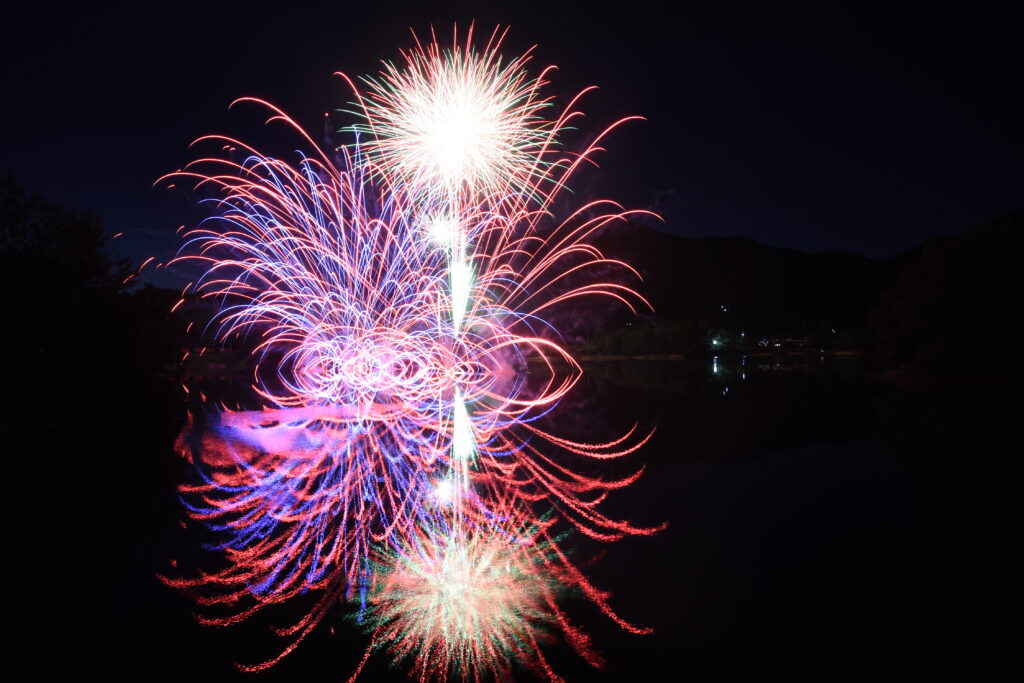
(836, 127)
(822, 520)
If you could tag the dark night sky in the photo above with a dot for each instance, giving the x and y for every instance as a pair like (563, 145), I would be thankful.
(837, 127)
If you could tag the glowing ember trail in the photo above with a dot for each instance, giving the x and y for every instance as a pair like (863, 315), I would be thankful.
(394, 294)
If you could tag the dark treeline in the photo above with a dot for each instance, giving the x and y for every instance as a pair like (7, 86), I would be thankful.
(90, 408)
(78, 323)
(944, 304)
(954, 303)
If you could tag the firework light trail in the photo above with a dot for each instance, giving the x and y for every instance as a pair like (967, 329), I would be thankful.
(469, 606)
(394, 292)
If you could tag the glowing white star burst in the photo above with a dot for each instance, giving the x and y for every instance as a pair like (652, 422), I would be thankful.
(465, 608)
(459, 119)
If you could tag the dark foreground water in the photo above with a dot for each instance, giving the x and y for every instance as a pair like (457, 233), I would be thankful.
(822, 526)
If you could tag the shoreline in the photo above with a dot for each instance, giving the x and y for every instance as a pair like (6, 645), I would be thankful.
(602, 358)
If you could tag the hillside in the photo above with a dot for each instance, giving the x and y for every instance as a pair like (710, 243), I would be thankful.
(740, 284)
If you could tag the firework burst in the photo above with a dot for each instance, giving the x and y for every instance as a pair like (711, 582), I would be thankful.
(457, 120)
(474, 605)
(394, 292)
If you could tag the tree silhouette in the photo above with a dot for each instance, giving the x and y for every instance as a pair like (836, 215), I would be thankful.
(954, 306)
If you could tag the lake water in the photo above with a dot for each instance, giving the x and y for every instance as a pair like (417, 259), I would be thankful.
(821, 526)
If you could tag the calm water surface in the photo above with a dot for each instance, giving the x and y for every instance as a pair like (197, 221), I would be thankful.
(821, 526)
